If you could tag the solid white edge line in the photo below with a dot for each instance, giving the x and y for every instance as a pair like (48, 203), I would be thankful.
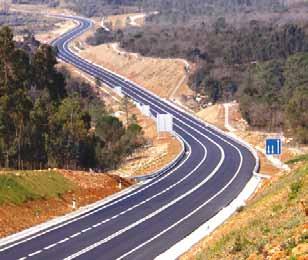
(150, 198)
(75, 216)
(70, 216)
(154, 213)
(209, 226)
(253, 153)
(236, 139)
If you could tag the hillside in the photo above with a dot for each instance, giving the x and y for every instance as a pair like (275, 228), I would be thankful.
(28, 198)
(20, 187)
(273, 225)
(260, 60)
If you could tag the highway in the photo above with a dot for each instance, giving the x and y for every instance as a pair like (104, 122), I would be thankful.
(151, 218)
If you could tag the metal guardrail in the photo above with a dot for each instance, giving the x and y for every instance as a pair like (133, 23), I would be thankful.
(167, 168)
(229, 135)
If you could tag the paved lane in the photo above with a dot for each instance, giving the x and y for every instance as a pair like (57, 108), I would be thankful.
(149, 220)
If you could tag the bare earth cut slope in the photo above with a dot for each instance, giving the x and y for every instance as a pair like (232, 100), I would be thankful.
(33, 197)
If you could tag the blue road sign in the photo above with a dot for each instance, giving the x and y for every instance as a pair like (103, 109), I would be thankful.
(273, 146)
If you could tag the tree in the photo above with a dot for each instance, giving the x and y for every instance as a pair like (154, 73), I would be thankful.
(5, 6)
(14, 101)
(220, 25)
(298, 114)
(46, 121)
(6, 51)
(46, 76)
(71, 125)
(126, 105)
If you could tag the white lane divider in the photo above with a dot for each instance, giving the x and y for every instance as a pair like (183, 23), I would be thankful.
(209, 226)
(153, 214)
(75, 235)
(63, 240)
(103, 206)
(85, 230)
(35, 253)
(50, 246)
(145, 201)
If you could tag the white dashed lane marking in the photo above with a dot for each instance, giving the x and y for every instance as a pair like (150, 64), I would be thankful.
(50, 246)
(75, 235)
(85, 230)
(35, 253)
(63, 240)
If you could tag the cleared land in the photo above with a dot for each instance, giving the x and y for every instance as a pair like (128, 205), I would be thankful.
(271, 226)
(213, 114)
(123, 20)
(60, 27)
(160, 76)
(32, 197)
(22, 22)
(32, 18)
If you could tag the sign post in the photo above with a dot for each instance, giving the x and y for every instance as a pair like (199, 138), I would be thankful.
(273, 146)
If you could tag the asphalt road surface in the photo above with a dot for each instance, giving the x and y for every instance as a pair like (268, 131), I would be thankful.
(150, 219)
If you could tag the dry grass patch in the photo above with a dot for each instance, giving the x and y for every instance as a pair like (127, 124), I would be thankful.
(160, 76)
(121, 21)
(272, 226)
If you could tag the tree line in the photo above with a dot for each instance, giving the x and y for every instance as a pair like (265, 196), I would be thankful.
(226, 55)
(275, 95)
(173, 9)
(48, 119)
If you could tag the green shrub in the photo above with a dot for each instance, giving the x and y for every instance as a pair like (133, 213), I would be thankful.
(294, 189)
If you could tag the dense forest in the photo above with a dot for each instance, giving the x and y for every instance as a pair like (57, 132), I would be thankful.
(244, 50)
(48, 119)
(169, 9)
(250, 62)
(275, 95)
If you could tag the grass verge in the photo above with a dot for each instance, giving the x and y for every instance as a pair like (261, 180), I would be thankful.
(300, 158)
(273, 226)
(17, 187)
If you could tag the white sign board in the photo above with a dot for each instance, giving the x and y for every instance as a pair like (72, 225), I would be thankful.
(118, 90)
(145, 109)
(164, 123)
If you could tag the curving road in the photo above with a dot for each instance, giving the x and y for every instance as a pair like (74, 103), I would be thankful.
(151, 218)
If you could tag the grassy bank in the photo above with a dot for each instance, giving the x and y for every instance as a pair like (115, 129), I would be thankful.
(273, 226)
(17, 187)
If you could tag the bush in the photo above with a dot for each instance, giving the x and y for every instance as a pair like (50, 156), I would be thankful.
(294, 189)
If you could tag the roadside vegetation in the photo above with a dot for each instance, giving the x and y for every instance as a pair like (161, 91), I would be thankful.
(23, 22)
(28, 198)
(47, 120)
(17, 187)
(257, 60)
(254, 52)
(272, 226)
